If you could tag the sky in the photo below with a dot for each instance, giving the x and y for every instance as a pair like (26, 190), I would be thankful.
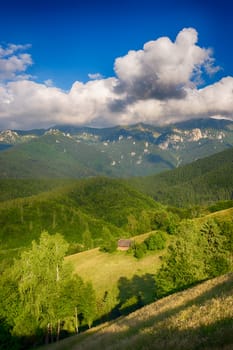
(102, 63)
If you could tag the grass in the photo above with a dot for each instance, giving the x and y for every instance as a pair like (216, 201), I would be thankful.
(198, 318)
(225, 215)
(222, 215)
(118, 274)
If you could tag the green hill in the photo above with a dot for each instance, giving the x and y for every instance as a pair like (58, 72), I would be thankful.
(202, 182)
(53, 156)
(130, 282)
(123, 283)
(198, 318)
(20, 188)
(86, 212)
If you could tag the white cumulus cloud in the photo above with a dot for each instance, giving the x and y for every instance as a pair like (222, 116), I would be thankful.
(158, 84)
(163, 68)
(13, 62)
(95, 76)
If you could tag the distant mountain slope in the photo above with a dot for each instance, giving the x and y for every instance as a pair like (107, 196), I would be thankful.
(120, 151)
(201, 182)
(198, 318)
(52, 156)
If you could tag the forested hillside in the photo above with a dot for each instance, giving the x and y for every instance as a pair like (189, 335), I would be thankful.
(45, 225)
(42, 298)
(86, 212)
(53, 156)
(201, 182)
(20, 188)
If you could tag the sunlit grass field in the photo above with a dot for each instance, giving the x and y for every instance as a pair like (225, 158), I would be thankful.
(118, 270)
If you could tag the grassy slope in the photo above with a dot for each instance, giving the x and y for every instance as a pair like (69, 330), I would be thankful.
(122, 276)
(203, 181)
(118, 271)
(222, 215)
(111, 272)
(198, 318)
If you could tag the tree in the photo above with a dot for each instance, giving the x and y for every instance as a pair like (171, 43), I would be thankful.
(87, 239)
(132, 225)
(215, 249)
(196, 254)
(165, 220)
(110, 244)
(88, 304)
(183, 265)
(139, 250)
(155, 241)
(41, 275)
(40, 294)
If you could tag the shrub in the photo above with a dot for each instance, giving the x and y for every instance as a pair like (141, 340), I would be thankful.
(155, 241)
(139, 250)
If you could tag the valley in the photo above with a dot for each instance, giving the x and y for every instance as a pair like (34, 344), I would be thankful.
(179, 223)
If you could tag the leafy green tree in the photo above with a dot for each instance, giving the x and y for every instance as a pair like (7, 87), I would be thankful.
(155, 241)
(227, 231)
(215, 253)
(194, 255)
(39, 295)
(183, 265)
(164, 220)
(70, 307)
(139, 250)
(110, 243)
(87, 239)
(132, 225)
(88, 305)
(41, 276)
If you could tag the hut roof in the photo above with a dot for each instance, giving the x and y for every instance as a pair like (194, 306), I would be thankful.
(124, 243)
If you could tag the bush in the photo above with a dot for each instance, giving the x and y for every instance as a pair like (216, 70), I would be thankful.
(164, 220)
(139, 250)
(109, 246)
(155, 241)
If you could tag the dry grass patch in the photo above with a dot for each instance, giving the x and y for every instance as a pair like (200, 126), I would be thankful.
(198, 318)
(222, 215)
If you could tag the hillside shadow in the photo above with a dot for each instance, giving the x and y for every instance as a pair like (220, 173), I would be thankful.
(135, 292)
(143, 329)
(132, 294)
(224, 288)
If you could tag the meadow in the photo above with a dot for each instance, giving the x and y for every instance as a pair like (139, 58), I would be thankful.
(119, 279)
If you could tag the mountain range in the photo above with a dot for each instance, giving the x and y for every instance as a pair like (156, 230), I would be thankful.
(67, 151)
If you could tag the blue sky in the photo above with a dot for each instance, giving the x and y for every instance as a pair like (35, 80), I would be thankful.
(69, 40)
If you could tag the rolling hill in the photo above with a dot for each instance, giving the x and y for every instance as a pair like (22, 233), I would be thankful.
(52, 156)
(202, 182)
(84, 211)
(39, 190)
